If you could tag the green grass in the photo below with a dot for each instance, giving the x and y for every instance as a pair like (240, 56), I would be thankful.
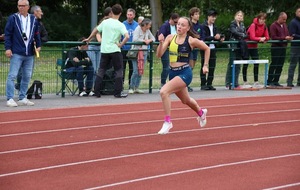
(45, 70)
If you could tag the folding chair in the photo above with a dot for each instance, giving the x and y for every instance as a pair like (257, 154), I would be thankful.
(67, 79)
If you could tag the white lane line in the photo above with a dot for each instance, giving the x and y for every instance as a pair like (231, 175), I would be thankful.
(283, 186)
(134, 112)
(145, 153)
(144, 135)
(140, 122)
(194, 170)
(145, 102)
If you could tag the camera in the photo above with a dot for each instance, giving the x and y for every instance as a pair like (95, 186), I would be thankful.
(222, 36)
(24, 36)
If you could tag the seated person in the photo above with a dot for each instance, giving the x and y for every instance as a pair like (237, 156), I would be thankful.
(80, 64)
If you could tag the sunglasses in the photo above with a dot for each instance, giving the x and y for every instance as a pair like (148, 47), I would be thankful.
(22, 5)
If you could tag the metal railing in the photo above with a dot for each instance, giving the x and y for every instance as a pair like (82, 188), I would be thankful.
(46, 69)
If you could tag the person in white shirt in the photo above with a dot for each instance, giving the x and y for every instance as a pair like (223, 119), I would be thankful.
(212, 34)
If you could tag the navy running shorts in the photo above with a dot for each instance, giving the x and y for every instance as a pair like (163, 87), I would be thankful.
(185, 74)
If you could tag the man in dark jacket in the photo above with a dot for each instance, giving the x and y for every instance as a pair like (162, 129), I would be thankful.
(294, 29)
(79, 63)
(1, 31)
(278, 31)
(38, 13)
(21, 34)
(169, 27)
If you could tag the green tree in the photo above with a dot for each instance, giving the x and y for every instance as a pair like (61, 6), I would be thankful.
(70, 19)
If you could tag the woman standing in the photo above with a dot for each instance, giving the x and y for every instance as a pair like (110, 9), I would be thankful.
(181, 45)
(240, 50)
(142, 33)
(258, 32)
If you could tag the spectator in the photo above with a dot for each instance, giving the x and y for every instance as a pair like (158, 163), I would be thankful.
(237, 33)
(130, 25)
(94, 49)
(278, 31)
(169, 27)
(181, 45)
(38, 13)
(198, 28)
(19, 47)
(258, 32)
(79, 63)
(294, 29)
(140, 19)
(1, 31)
(211, 34)
(143, 34)
(111, 31)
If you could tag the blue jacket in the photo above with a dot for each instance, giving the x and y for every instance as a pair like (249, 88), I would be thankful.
(165, 29)
(294, 29)
(200, 30)
(13, 35)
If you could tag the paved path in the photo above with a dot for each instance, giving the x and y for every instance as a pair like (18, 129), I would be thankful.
(53, 101)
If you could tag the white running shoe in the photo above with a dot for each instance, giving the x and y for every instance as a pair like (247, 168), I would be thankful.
(83, 93)
(138, 91)
(202, 120)
(25, 102)
(165, 128)
(92, 93)
(11, 103)
(257, 85)
(247, 85)
(130, 91)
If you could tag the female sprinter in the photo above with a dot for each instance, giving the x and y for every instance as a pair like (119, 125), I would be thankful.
(180, 46)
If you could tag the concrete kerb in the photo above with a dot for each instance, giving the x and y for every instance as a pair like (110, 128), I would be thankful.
(51, 101)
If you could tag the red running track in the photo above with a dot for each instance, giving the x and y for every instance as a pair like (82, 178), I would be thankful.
(248, 143)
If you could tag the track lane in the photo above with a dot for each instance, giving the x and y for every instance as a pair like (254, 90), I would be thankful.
(127, 167)
(90, 174)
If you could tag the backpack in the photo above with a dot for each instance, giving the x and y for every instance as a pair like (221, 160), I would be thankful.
(108, 83)
(35, 90)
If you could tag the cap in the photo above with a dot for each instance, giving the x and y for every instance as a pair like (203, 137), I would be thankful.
(212, 12)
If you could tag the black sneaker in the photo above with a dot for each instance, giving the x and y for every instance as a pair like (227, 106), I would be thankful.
(121, 95)
(211, 87)
(204, 87)
(97, 95)
(277, 84)
(190, 89)
(290, 85)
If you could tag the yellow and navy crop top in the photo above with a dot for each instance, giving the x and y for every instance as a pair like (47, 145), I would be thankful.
(179, 52)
